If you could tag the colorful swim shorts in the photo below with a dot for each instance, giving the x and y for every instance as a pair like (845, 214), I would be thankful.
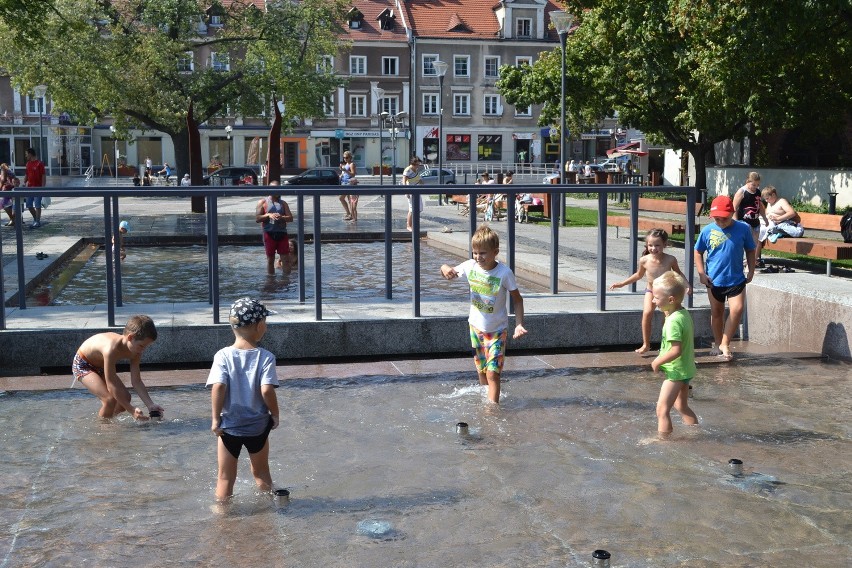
(82, 367)
(488, 349)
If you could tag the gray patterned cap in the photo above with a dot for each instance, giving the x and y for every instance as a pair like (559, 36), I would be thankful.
(247, 311)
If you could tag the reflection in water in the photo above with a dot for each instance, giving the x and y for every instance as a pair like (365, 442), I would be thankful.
(179, 274)
(378, 473)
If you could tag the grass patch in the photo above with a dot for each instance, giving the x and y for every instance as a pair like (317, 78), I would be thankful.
(577, 217)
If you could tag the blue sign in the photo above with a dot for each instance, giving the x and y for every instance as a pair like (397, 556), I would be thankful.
(338, 134)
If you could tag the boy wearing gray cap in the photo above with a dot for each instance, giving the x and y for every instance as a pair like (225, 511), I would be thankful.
(245, 408)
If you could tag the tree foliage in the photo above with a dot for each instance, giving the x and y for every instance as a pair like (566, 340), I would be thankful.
(119, 58)
(697, 72)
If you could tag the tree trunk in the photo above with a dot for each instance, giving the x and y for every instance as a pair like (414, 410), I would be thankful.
(273, 164)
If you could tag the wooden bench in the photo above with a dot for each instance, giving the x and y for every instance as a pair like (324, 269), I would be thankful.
(657, 206)
(461, 202)
(826, 249)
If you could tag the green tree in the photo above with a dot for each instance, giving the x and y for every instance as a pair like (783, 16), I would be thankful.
(122, 59)
(695, 73)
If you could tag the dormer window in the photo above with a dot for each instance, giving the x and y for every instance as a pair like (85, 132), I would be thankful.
(355, 18)
(386, 19)
(216, 15)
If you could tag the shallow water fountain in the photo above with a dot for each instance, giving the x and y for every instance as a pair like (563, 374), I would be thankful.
(567, 465)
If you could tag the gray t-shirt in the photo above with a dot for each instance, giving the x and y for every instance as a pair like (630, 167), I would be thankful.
(243, 371)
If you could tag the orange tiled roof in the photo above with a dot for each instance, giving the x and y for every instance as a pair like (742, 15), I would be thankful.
(470, 19)
(462, 19)
(371, 29)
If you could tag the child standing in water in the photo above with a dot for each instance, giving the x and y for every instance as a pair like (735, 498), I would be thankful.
(244, 405)
(677, 352)
(654, 263)
(489, 282)
(94, 367)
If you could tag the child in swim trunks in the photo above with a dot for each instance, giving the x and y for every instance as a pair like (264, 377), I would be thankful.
(244, 405)
(654, 263)
(491, 282)
(94, 366)
(677, 352)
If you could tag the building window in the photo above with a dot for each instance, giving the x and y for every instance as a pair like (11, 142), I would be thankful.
(35, 105)
(326, 64)
(220, 61)
(358, 65)
(523, 60)
(185, 62)
(461, 65)
(492, 105)
(389, 105)
(390, 65)
(428, 68)
(216, 21)
(358, 105)
(461, 105)
(490, 147)
(492, 67)
(328, 105)
(458, 147)
(525, 111)
(523, 27)
(430, 104)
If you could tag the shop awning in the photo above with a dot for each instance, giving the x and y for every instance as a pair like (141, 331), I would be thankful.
(629, 149)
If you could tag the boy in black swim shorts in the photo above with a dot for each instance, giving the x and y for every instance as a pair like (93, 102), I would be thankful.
(725, 242)
(244, 405)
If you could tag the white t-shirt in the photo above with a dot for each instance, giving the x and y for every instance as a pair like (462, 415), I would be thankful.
(243, 371)
(489, 298)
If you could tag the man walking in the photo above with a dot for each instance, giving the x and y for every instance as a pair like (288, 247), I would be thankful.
(34, 178)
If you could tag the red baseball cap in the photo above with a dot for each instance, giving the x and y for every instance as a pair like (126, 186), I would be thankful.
(722, 206)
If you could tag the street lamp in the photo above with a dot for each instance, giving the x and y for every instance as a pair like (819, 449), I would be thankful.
(396, 121)
(440, 68)
(114, 150)
(562, 22)
(228, 130)
(379, 93)
(383, 118)
(39, 92)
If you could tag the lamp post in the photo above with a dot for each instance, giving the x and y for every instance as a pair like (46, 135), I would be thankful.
(562, 22)
(114, 150)
(396, 121)
(379, 93)
(383, 117)
(440, 68)
(40, 91)
(228, 130)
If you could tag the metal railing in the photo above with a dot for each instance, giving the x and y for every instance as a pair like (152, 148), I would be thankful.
(111, 198)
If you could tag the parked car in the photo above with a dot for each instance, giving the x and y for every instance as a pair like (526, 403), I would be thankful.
(431, 177)
(233, 175)
(316, 176)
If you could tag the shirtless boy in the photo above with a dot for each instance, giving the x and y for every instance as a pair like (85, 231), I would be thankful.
(94, 367)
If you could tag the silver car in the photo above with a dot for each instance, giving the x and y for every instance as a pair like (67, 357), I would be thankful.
(431, 177)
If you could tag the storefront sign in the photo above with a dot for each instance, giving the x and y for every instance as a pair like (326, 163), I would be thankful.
(346, 133)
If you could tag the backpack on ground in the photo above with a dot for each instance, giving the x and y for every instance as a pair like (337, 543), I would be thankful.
(846, 227)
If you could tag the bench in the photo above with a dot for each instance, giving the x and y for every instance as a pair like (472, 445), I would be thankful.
(461, 202)
(826, 249)
(657, 206)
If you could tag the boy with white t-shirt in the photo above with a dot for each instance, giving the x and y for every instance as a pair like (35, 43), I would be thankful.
(244, 405)
(489, 282)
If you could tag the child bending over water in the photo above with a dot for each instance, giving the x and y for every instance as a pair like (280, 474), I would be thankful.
(654, 263)
(94, 367)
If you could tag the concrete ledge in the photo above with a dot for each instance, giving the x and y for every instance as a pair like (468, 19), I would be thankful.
(801, 312)
(30, 351)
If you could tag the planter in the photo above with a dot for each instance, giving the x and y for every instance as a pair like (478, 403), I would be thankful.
(385, 170)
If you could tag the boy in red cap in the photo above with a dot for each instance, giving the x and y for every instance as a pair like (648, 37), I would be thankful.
(725, 241)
